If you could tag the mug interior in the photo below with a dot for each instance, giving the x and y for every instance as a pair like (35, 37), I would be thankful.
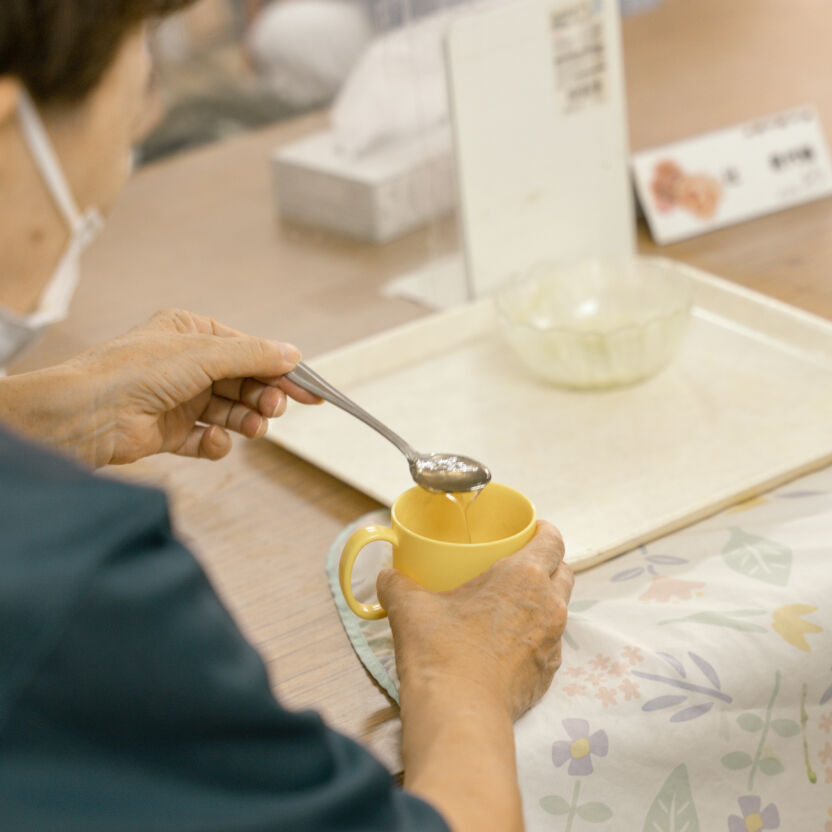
(497, 512)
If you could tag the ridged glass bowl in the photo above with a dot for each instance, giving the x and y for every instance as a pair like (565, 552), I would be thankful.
(597, 323)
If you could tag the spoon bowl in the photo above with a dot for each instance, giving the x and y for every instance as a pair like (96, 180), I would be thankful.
(444, 473)
(449, 473)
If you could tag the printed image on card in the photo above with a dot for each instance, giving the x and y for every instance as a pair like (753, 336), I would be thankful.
(731, 175)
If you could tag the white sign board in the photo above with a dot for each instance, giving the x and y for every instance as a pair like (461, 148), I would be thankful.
(720, 178)
(538, 113)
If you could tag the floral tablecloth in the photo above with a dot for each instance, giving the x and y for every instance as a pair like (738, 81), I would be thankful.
(696, 686)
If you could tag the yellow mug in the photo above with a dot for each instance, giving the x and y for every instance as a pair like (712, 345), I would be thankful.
(430, 536)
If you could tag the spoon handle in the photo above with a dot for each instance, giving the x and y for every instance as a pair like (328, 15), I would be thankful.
(305, 377)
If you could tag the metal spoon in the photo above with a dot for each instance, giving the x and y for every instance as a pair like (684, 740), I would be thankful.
(435, 472)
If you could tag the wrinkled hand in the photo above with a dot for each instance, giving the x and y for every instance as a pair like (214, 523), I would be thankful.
(500, 631)
(178, 383)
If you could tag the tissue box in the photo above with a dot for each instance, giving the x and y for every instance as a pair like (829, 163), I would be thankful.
(377, 196)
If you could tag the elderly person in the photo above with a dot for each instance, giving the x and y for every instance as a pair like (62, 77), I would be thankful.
(128, 698)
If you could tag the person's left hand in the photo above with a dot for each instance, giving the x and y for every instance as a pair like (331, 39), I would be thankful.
(178, 383)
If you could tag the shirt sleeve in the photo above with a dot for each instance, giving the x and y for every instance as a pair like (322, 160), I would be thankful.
(152, 712)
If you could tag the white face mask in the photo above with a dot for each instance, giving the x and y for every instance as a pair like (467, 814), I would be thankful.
(18, 331)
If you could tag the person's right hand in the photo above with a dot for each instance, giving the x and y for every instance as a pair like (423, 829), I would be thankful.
(179, 383)
(500, 632)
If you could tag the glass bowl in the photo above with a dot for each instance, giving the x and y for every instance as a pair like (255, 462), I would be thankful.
(597, 323)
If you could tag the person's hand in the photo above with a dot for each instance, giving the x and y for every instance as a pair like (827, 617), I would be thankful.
(499, 633)
(178, 383)
(469, 662)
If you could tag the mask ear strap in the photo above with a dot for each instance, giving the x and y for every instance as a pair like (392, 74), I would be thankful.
(46, 159)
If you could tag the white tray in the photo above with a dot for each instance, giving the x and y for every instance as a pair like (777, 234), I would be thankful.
(746, 405)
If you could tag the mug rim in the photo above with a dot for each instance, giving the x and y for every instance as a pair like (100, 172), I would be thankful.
(434, 542)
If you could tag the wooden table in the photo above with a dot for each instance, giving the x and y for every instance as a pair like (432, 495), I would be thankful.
(199, 232)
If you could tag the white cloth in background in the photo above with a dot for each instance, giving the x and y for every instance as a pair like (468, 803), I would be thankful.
(304, 49)
(388, 87)
(397, 89)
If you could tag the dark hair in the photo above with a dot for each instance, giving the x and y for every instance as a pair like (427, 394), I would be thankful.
(60, 49)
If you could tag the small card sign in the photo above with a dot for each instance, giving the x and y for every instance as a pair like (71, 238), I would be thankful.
(728, 176)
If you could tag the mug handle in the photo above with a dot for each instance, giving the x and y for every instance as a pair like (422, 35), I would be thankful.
(354, 545)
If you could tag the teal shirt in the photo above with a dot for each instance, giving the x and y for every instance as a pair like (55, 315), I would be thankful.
(129, 700)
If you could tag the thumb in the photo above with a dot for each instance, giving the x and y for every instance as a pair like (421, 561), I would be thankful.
(392, 585)
(244, 356)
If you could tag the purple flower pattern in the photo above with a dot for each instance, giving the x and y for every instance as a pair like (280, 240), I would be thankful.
(753, 818)
(580, 747)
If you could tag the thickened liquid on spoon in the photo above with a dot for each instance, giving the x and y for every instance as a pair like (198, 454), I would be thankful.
(463, 501)
(449, 473)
